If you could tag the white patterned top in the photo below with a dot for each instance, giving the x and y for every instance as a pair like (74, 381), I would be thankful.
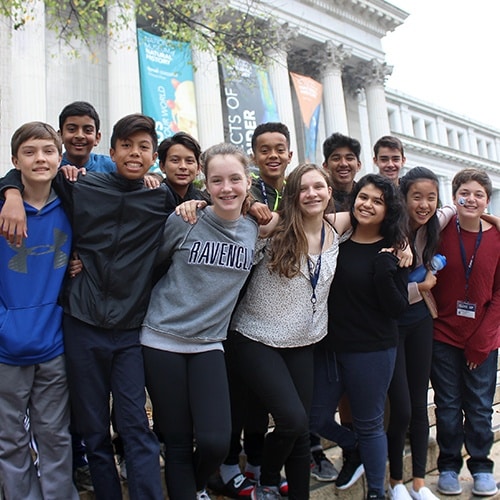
(277, 311)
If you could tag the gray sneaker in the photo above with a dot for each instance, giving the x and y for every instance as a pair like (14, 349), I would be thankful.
(321, 468)
(448, 483)
(484, 484)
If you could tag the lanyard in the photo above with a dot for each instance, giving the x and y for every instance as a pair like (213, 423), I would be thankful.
(468, 267)
(314, 273)
(265, 197)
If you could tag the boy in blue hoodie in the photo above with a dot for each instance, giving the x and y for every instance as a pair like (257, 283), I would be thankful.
(32, 369)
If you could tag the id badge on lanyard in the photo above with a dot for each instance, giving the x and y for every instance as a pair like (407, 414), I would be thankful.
(466, 309)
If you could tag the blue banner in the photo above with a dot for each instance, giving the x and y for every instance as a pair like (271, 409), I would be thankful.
(167, 88)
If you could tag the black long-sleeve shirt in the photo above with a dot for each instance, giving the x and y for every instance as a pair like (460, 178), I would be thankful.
(368, 294)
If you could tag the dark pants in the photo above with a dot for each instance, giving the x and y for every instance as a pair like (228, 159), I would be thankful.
(190, 404)
(325, 401)
(408, 398)
(365, 376)
(247, 414)
(283, 380)
(464, 401)
(100, 362)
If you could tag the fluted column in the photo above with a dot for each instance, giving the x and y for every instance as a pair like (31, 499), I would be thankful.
(208, 98)
(280, 83)
(28, 70)
(124, 91)
(331, 59)
(372, 75)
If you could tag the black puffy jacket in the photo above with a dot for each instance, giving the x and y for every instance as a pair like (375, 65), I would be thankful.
(117, 227)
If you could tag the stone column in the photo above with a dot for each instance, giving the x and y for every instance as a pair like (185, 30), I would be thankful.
(208, 98)
(331, 60)
(472, 141)
(28, 74)
(372, 75)
(406, 121)
(124, 91)
(280, 83)
(445, 190)
(497, 147)
(442, 134)
(6, 90)
(494, 207)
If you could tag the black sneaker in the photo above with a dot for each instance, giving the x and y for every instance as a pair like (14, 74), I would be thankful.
(352, 469)
(238, 487)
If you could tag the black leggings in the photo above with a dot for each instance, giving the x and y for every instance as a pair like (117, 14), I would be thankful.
(190, 398)
(408, 398)
(283, 380)
(248, 415)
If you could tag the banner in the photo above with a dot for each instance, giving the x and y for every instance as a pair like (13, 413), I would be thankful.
(248, 102)
(167, 88)
(309, 94)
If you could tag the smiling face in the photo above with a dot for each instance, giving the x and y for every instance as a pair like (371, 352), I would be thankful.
(272, 156)
(38, 161)
(227, 184)
(79, 136)
(133, 156)
(180, 167)
(389, 162)
(369, 206)
(314, 194)
(421, 202)
(471, 201)
(343, 166)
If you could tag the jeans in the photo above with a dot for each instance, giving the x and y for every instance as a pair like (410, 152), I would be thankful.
(464, 400)
(365, 376)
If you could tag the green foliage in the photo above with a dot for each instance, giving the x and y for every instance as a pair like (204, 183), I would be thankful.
(248, 31)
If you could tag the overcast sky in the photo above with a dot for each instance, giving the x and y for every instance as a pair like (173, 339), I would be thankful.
(447, 52)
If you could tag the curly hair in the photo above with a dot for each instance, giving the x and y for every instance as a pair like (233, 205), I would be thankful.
(289, 242)
(394, 227)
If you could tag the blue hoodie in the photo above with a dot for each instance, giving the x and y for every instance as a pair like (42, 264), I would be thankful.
(30, 280)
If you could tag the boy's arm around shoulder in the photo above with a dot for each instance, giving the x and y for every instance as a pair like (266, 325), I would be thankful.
(13, 224)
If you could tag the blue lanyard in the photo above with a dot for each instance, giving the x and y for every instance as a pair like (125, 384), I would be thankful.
(468, 267)
(314, 273)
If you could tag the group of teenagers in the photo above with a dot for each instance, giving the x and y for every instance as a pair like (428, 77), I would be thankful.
(261, 295)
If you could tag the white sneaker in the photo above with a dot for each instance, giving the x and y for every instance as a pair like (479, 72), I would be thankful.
(423, 493)
(202, 495)
(399, 492)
